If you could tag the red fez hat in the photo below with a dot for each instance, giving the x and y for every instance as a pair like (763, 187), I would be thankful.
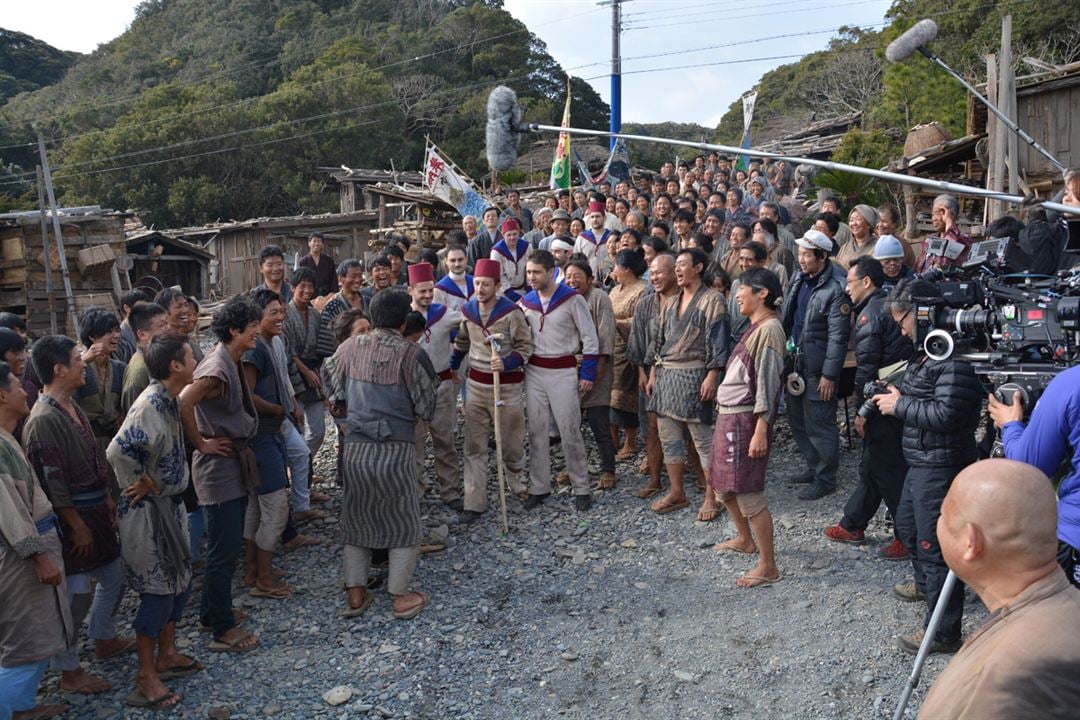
(488, 269)
(596, 207)
(421, 273)
(510, 224)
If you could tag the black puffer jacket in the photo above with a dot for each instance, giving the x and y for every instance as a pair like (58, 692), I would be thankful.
(827, 324)
(939, 406)
(878, 341)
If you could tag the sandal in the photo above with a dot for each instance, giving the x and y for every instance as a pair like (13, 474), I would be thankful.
(43, 712)
(138, 700)
(753, 581)
(236, 646)
(301, 541)
(415, 610)
(280, 592)
(351, 612)
(181, 671)
(624, 455)
(708, 514)
(239, 616)
(647, 491)
(663, 507)
(729, 547)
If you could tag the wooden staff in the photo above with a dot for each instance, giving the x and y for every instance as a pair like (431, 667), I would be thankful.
(494, 341)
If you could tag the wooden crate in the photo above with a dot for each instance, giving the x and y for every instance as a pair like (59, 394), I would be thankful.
(95, 258)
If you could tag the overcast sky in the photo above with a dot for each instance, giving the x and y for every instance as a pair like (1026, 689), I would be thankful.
(724, 40)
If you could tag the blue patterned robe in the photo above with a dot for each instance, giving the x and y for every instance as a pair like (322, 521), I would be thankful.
(153, 532)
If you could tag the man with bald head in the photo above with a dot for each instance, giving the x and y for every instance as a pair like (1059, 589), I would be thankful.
(997, 531)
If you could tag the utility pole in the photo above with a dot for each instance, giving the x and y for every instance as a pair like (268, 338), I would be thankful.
(59, 237)
(616, 67)
(45, 251)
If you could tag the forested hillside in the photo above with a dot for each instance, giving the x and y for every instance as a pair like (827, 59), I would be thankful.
(27, 63)
(853, 74)
(209, 109)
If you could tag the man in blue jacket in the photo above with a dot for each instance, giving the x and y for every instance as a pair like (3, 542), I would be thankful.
(816, 319)
(1045, 442)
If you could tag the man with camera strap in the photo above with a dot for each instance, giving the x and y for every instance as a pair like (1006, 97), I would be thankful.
(881, 353)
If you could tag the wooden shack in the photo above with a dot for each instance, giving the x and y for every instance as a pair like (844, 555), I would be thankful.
(352, 185)
(235, 246)
(413, 212)
(816, 140)
(31, 282)
(171, 260)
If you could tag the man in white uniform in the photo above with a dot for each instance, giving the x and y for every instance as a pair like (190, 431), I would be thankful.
(560, 322)
(437, 341)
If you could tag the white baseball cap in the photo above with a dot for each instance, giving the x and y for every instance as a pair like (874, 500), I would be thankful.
(815, 240)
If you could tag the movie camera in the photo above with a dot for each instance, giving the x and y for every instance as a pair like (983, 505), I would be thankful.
(1018, 330)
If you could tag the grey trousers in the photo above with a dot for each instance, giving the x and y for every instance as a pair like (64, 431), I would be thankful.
(402, 565)
(101, 606)
(814, 429)
(552, 395)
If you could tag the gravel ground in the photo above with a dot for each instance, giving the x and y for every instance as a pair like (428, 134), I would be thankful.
(616, 613)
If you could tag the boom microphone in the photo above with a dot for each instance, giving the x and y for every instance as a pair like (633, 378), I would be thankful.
(503, 128)
(903, 47)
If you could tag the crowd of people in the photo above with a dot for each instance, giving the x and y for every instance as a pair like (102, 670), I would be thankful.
(677, 317)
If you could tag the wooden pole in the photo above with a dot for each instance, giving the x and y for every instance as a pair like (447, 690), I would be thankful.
(45, 250)
(995, 172)
(494, 342)
(59, 236)
(1007, 100)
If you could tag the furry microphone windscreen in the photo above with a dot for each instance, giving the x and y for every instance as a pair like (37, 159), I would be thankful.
(503, 134)
(903, 47)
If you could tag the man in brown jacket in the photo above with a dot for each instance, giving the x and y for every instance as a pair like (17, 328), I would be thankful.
(998, 533)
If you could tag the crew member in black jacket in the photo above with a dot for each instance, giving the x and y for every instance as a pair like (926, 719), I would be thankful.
(816, 319)
(938, 402)
(879, 345)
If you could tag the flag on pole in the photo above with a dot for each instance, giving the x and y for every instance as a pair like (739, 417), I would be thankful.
(444, 183)
(618, 164)
(560, 166)
(748, 101)
(587, 182)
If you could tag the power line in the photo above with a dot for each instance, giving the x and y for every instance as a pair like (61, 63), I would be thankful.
(667, 13)
(754, 15)
(504, 80)
(284, 122)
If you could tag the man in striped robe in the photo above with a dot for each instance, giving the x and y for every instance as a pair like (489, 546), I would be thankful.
(384, 384)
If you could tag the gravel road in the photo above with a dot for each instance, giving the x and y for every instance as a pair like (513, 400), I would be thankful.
(615, 613)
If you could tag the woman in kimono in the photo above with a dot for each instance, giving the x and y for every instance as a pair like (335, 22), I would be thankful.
(746, 407)
(628, 291)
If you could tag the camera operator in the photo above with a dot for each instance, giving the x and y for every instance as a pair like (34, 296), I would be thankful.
(878, 345)
(1045, 442)
(938, 402)
(816, 311)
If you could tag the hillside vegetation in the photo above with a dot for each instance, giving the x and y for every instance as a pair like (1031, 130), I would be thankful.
(853, 75)
(254, 95)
